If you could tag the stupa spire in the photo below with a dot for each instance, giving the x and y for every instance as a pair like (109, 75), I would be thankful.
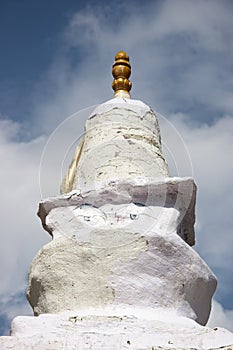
(121, 71)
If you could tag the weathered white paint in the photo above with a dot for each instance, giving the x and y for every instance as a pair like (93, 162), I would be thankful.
(120, 262)
(121, 140)
(129, 328)
(153, 195)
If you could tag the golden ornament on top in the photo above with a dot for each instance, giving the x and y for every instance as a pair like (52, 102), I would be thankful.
(121, 71)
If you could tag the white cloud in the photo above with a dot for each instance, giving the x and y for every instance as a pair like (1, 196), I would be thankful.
(181, 55)
(207, 22)
(220, 317)
(209, 147)
(20, 233)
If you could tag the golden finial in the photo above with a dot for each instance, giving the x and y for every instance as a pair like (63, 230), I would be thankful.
(121, 71)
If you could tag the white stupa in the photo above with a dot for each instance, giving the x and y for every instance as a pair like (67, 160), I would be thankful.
(120, 272)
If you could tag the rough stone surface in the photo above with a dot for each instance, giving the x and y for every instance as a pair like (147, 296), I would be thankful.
(178, 193)
(123, 262)
(122, 140)
(128, 329)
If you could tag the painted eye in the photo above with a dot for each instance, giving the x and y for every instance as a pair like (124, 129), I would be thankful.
(85, 206)
(133, 216)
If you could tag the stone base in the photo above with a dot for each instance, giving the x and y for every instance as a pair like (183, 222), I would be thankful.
(103, 329)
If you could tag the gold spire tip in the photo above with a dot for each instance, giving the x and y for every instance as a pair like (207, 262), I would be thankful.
(121, 71)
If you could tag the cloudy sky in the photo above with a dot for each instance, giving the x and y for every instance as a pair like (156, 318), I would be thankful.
(55, 66)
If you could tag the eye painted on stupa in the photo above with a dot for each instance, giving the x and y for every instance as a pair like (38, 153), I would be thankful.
(131, 211)
(134, 216)
(89, 213)
(86, 205)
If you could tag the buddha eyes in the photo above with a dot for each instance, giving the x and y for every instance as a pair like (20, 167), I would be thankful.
(132, 211)
(134, 216)
(85, 206)
(90, 213)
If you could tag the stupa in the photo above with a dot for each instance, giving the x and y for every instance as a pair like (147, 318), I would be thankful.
(120, 271)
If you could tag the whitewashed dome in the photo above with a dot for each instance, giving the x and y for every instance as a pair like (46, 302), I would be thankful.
(121, 141)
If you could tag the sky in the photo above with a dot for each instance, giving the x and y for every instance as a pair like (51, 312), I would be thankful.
(55, 66)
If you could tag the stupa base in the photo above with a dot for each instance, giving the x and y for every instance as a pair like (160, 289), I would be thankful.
(103, 329)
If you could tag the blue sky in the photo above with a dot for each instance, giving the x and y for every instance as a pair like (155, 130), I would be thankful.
(56, 60)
